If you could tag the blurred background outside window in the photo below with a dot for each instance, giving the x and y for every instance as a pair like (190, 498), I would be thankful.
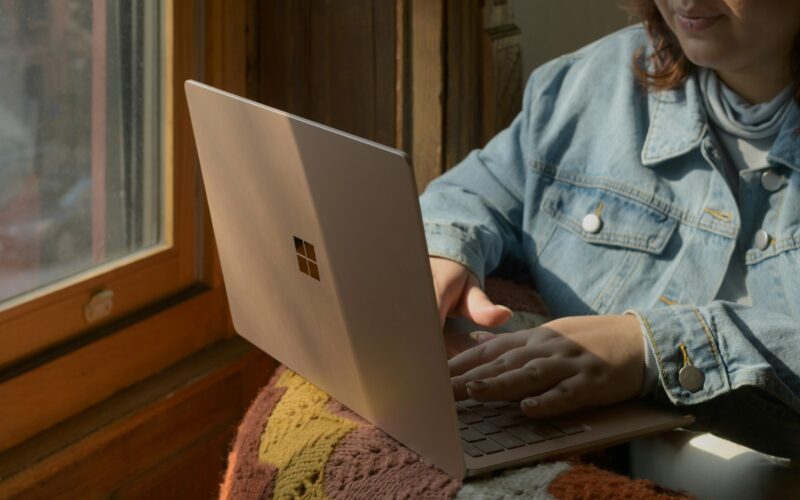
(81, 123)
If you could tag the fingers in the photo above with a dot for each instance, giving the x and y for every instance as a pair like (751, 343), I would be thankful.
(483, 353)
(458, 292)
(566, 396)
(478, 308)
(530, 378)
(477, 379)
(447, 296)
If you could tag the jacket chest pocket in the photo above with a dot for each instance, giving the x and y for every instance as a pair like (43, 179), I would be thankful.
(773, 274)
(599, 241)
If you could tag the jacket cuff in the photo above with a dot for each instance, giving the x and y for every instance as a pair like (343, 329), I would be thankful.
(650, 363)
(450, 242)
(681, 337)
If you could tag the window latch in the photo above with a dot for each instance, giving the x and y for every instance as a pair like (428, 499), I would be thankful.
(99, 305)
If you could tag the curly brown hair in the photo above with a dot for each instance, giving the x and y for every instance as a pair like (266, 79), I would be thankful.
(668, 67)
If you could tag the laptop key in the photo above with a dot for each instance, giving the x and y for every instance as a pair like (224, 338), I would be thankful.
(507, 440)
(513, 412)
(469, 403)
(488, 446)
(485, 411)
(468, 418)
(526, 435)
(486, 427)
(521, 417)
(471, 435)
(503, 421)
(544, 430)
(497, 404)
(471, 450)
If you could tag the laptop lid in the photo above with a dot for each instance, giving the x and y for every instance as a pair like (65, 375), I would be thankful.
(325, 264)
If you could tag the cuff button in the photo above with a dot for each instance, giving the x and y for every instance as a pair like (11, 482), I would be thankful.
(691, 378)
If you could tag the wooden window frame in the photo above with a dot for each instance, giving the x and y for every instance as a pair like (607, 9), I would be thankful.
(170, 303)
(49, 315)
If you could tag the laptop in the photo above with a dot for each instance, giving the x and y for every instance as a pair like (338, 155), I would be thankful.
(326, 269)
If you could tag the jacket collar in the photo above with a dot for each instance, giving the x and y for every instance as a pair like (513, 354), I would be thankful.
(786, 149)
(677, 122)
(678, 125)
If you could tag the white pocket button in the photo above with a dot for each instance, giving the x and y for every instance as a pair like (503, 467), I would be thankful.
(762, 239)
(591, 223)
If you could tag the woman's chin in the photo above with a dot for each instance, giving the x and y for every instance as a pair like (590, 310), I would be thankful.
(706, 54)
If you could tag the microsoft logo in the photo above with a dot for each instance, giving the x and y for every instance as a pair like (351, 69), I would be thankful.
(306, 258)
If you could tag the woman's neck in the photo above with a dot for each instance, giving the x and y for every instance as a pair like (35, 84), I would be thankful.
(758, 84)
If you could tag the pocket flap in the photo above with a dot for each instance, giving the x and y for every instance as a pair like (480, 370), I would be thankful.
(623, 222)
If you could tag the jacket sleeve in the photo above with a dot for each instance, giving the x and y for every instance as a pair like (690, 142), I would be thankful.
(473, 213)
(748, 361)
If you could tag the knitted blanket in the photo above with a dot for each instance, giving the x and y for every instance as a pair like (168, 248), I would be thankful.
(297, 442)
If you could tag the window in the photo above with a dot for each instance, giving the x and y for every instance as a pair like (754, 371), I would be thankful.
(136, 286)
(101, 215)
(84, 183)
(81, 153)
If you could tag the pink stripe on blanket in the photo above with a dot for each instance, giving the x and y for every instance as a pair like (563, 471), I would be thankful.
(369, 464)
(246, 477)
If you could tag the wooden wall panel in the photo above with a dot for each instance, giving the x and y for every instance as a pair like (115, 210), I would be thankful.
(331, 62)
(501, 68)
(435, 78)
(384, 41)
(463, 116)
(427, 88)
(465, 82)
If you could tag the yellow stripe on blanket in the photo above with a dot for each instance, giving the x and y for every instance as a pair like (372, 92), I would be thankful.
(299, 438)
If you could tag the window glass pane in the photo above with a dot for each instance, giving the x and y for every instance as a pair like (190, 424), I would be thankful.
(81, 172)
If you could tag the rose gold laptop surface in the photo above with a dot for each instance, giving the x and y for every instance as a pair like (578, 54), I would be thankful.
(326, 269)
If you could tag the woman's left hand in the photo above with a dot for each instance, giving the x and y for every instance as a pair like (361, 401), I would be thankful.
(561, 366)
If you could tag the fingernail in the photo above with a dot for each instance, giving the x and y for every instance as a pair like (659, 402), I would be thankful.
(507, 309)
(530, 403)
(480, 336)
(477, 385)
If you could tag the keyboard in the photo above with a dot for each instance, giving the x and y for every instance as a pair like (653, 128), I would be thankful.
(491, 427)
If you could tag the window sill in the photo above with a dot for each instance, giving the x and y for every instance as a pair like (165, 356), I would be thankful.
(61, 384)
(138, 439)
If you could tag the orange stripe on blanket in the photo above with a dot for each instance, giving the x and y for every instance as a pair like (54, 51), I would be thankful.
(587, 481)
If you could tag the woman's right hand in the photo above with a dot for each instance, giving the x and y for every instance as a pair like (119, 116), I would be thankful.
(458, 293)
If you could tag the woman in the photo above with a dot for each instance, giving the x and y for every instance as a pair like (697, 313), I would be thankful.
(651, 188)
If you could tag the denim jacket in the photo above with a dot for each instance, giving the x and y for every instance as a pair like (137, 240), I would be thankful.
(613, 199)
